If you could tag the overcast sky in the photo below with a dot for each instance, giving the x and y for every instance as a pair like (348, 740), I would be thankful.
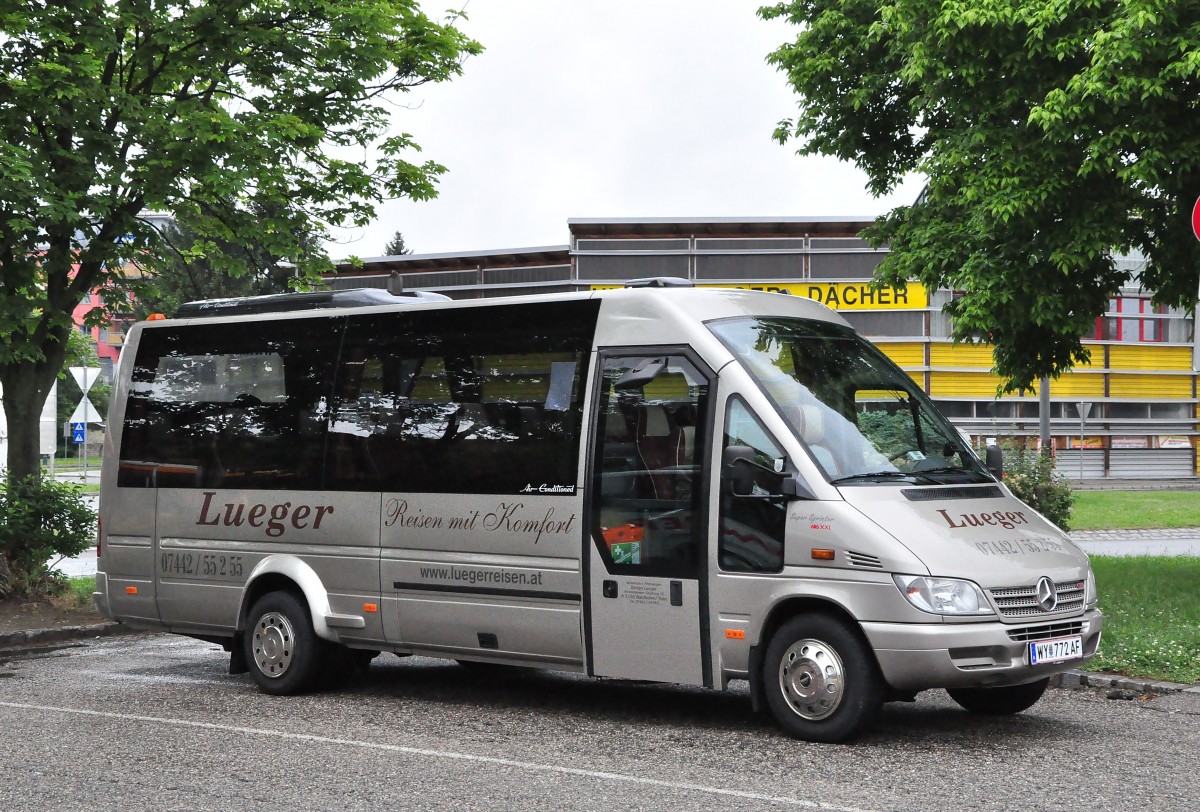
(620, 108)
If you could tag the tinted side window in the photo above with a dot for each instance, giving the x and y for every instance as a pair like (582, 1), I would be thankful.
(752, 527)
(230, 405)
(477, 400)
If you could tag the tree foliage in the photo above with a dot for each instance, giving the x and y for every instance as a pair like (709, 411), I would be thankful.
(211, 111)
(182, 271)
(395, 246)
(1051, 134)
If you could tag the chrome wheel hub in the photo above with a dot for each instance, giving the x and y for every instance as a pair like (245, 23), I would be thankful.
(274, 644)
(812, 679)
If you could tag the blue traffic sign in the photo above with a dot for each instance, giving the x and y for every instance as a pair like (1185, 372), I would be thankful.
(79, 433)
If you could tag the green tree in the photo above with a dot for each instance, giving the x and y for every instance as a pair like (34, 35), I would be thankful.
(396, 247)
(183, 272)
(1051, 135)
(198, 109)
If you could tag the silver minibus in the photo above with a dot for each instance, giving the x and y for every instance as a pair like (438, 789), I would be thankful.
(659, 482)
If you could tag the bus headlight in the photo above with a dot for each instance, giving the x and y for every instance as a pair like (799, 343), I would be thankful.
(943, 596)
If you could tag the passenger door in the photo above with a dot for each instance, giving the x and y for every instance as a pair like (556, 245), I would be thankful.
(647, 553)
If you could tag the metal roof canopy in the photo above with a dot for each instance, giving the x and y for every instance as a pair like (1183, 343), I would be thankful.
(459, 260)
(600, 227)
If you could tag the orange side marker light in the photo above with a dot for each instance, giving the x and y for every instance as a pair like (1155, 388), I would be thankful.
(370, 608)
(735, 634)
(131, 590)
(819, 554)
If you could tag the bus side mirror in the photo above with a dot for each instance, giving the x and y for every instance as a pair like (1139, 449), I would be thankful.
(994, 460)
(738, 465)
(739, 470)
(642, 374)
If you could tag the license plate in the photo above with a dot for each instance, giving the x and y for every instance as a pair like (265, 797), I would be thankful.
(1056, 650)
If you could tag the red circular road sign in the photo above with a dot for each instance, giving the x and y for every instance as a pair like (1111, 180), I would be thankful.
(1196, 219)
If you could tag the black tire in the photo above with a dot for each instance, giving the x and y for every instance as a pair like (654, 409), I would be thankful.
(342, 664)
(478, 668)
(283, 653)
(361, 658)
(821, 680)
(1003, 701)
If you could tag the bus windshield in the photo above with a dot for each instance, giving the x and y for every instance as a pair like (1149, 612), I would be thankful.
(861, 417)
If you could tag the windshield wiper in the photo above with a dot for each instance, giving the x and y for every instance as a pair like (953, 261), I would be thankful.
(908, 476)
(953, 469)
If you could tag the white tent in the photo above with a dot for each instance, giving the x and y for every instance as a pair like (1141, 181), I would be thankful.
(48, 426)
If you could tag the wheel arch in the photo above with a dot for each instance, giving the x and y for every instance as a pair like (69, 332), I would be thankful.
(286, 573)
(779, 614)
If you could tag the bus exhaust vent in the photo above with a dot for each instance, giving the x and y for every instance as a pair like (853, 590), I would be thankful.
(931, 494)
(863, 560)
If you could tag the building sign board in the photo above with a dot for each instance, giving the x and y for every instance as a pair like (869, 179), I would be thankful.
(848, 295)
(837, 295)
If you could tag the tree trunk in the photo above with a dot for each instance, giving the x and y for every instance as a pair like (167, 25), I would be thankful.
(26, 386)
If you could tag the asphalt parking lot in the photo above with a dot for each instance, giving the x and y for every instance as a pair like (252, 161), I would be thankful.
(154, 721)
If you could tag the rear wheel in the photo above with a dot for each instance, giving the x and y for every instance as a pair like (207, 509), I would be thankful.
(283, 653)
(1003, 701)
(341, 664)
(821, 680)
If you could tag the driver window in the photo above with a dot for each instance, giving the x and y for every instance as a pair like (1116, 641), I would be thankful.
(649, 439)
(752, 527)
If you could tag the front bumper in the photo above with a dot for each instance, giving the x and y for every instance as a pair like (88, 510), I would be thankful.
(970, 655)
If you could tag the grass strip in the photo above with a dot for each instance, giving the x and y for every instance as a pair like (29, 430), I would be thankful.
(1135, 510)
(1151, 617)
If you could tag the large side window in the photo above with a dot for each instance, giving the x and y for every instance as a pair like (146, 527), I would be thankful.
(230, 405)
(647, 508)
(477, 400)
(752, 522)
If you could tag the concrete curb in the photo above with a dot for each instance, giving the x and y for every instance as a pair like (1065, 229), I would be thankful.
(1076, 680)
(37, 638)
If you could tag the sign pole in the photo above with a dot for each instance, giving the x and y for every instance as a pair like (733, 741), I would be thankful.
(1196, 343)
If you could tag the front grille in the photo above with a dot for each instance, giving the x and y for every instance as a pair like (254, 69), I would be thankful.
(863, 560)
(1021, 601)
(1047, 632)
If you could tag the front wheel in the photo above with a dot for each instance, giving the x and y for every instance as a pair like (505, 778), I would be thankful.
(1003, 701)
(283, 653)
(821, 680)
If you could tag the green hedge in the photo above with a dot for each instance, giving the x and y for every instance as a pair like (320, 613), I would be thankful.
(40, 519)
